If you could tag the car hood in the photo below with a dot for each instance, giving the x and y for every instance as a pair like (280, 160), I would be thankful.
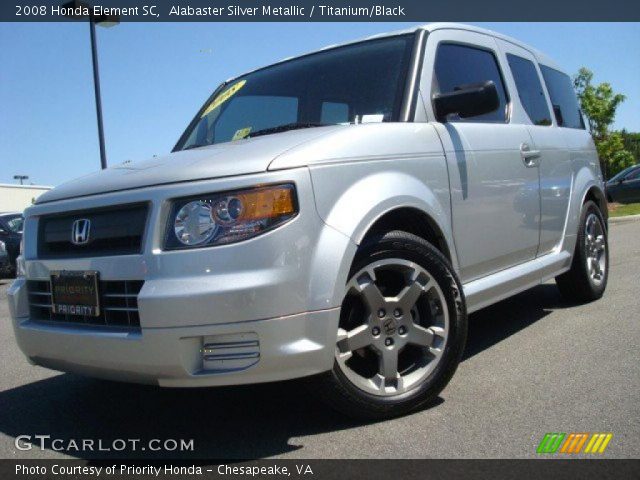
(252, 155)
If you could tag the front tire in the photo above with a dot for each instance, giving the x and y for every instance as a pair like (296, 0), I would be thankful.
(402, 331)
(587, 279)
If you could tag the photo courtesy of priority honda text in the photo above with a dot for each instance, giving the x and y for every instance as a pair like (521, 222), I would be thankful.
(333, 217)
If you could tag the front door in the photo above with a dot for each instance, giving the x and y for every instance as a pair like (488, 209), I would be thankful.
(492, 161)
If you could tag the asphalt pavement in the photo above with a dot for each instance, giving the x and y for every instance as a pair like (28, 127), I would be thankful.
(534, 364)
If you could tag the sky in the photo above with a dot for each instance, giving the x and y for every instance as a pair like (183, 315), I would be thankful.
(154, 78)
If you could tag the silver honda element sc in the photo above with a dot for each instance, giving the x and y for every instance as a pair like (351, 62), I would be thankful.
(334, 216)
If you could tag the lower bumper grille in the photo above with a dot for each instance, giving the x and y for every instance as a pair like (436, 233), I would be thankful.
(237, 351)
(118, 304)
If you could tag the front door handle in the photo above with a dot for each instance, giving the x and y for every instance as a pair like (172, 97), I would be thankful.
(529, 157)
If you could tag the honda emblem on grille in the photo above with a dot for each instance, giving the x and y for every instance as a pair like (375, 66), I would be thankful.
(80, 231)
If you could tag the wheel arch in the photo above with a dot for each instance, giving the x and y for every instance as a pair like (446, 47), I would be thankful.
(393, 200)
(366, 198)
(596, 195)
(586, 186)
(414, 221)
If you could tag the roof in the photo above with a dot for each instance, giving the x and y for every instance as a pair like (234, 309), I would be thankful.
(430, 27)
(540, 56)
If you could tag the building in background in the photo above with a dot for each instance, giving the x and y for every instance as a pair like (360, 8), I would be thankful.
(15, 198)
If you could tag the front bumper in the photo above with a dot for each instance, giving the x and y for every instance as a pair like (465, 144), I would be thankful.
(261, 310)
(223, 354)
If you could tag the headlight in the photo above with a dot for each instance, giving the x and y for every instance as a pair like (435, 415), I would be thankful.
(223, 218)
(194, 223)
(3, 249)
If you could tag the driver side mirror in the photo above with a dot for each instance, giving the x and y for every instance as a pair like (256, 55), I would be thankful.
(467, 100)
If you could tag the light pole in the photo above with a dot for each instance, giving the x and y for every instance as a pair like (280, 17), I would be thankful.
(105, 21)
(22, 178)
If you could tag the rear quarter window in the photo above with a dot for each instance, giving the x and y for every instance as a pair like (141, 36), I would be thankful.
(563, 98)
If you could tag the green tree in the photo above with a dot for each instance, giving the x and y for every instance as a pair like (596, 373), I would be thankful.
(611, 148)
(631, 143)
(599, 104)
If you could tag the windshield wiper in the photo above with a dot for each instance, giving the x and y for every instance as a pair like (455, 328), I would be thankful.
(270, 130)
(286, 127)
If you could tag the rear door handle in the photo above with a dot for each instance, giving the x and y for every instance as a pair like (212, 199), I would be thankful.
(529, 157)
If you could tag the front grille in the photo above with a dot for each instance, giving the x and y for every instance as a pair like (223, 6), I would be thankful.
(118, 304)
(112, 231)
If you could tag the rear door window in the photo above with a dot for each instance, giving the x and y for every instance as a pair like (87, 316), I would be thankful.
(530, 89)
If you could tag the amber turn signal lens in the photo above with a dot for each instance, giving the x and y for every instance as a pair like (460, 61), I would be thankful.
(268, 203)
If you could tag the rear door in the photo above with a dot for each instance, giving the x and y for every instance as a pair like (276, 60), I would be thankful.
(493, 182)
(554, 162)
(568, 118)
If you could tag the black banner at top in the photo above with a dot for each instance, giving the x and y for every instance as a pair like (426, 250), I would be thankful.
(319, 10)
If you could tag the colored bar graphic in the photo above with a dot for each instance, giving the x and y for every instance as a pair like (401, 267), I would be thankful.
(581, 442)
(598, 443)
(574, 442)
(550, 442)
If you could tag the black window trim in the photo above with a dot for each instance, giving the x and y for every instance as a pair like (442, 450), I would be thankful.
(508, 101)
(411, 95)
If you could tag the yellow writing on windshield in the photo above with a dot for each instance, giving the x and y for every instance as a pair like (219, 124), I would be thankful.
(242, 133)
(223, 97)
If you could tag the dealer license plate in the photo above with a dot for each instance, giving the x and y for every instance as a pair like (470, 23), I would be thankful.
(75, 293)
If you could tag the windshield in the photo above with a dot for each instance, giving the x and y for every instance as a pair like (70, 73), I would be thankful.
(13, 222)
(363, 82)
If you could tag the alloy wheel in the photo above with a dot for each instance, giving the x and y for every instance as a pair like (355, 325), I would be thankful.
(393, 327)
(595, 248)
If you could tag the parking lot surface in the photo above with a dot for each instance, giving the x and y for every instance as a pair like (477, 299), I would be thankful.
(534, 364)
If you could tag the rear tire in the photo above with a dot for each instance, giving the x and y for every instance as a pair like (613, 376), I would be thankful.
(403, 329)
(587, 279)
